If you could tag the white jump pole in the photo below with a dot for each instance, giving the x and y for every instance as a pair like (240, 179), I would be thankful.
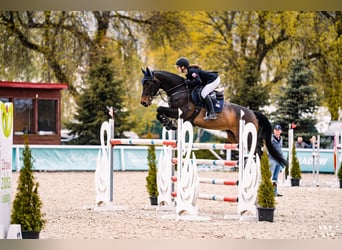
(315, 161)
(291, 141)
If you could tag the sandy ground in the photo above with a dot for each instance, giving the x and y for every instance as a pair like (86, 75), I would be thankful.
(305, 212)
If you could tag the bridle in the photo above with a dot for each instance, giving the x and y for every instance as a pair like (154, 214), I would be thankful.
(151, 79)
(168, 92)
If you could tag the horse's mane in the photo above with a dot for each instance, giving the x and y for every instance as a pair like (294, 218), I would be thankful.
(169, 74)
(195, 66)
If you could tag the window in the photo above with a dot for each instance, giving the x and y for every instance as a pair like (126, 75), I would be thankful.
(23, 116)
(3, 99)
(47, 111)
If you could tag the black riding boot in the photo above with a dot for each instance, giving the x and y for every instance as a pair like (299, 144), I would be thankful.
(211, 115)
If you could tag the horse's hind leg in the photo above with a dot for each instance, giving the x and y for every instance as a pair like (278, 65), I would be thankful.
(231, 138)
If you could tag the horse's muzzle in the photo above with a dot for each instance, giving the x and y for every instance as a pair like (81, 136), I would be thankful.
(146, 101)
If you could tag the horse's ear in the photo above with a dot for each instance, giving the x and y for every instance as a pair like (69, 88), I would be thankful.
(144, 72)
(149, 71)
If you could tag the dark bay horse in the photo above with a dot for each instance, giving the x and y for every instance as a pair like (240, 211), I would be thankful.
(179, 97)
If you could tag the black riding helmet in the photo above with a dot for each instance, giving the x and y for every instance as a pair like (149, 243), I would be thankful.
(182, 61)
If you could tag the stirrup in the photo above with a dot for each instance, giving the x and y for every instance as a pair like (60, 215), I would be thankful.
(210, 116)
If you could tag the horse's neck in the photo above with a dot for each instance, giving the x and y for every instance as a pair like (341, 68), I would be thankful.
(171, 87)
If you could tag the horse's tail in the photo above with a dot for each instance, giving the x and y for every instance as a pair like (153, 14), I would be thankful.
(265, 133)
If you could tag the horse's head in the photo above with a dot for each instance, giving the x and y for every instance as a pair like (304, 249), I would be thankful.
(150, 87)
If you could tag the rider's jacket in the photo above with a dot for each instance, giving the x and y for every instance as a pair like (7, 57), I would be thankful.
(196, 77)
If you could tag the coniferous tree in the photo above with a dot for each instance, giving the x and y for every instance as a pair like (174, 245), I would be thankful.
(151, 178)
(27, 205)
(339, 174)
(249, 92)
(298, 101)
(105, 90)
(265, 196)
(295, 171)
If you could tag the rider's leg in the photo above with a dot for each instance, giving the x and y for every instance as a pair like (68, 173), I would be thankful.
(205, 95)
(208, 88)
(210, 107)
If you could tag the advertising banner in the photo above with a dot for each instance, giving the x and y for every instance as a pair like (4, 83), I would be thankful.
(6, 141)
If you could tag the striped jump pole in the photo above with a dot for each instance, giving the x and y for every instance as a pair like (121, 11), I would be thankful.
(219, 181)
(212, 197)
(220, 146)
(213, 181)
(160, 142)
(213, 162)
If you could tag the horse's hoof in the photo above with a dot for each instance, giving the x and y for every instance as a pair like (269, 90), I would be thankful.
(170, 127)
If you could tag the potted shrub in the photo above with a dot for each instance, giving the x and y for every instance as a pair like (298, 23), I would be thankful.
(265, 197)
(295, 171)
(151, 178)
(339, 175)
(27, 206)
(287, 169)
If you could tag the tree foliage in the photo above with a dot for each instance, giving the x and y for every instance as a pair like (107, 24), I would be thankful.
(105, 90)
(251, 50)
(298, 101)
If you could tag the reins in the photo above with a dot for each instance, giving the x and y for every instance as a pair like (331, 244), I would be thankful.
(175, 87)
(169, 91)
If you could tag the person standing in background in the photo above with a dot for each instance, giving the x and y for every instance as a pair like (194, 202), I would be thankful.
(275, 166)
(300, 143)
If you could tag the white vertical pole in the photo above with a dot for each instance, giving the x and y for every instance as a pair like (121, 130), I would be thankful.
(242, 154)
(111, 156)
(315, 161)
(340, 139)
(335, 155)
(179, 145)
(291, 140)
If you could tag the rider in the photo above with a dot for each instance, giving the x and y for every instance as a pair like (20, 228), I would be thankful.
(196, 76)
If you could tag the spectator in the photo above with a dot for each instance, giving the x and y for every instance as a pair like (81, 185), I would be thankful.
(275, 166)
(313, 142)
(300, 143)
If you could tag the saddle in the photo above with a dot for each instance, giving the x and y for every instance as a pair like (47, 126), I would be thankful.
(217, 97)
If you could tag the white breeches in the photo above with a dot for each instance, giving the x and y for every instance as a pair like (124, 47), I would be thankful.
(210, 87)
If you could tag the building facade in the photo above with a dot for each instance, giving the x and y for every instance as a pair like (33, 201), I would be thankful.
(37, 110)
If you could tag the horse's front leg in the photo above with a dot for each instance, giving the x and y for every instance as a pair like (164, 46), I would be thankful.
(166, 117)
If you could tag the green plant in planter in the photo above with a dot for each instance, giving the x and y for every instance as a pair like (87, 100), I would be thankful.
(339, 174)
(27, 205)
(295, 171)
(265, 198)
(151, 177)
(287, 169)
